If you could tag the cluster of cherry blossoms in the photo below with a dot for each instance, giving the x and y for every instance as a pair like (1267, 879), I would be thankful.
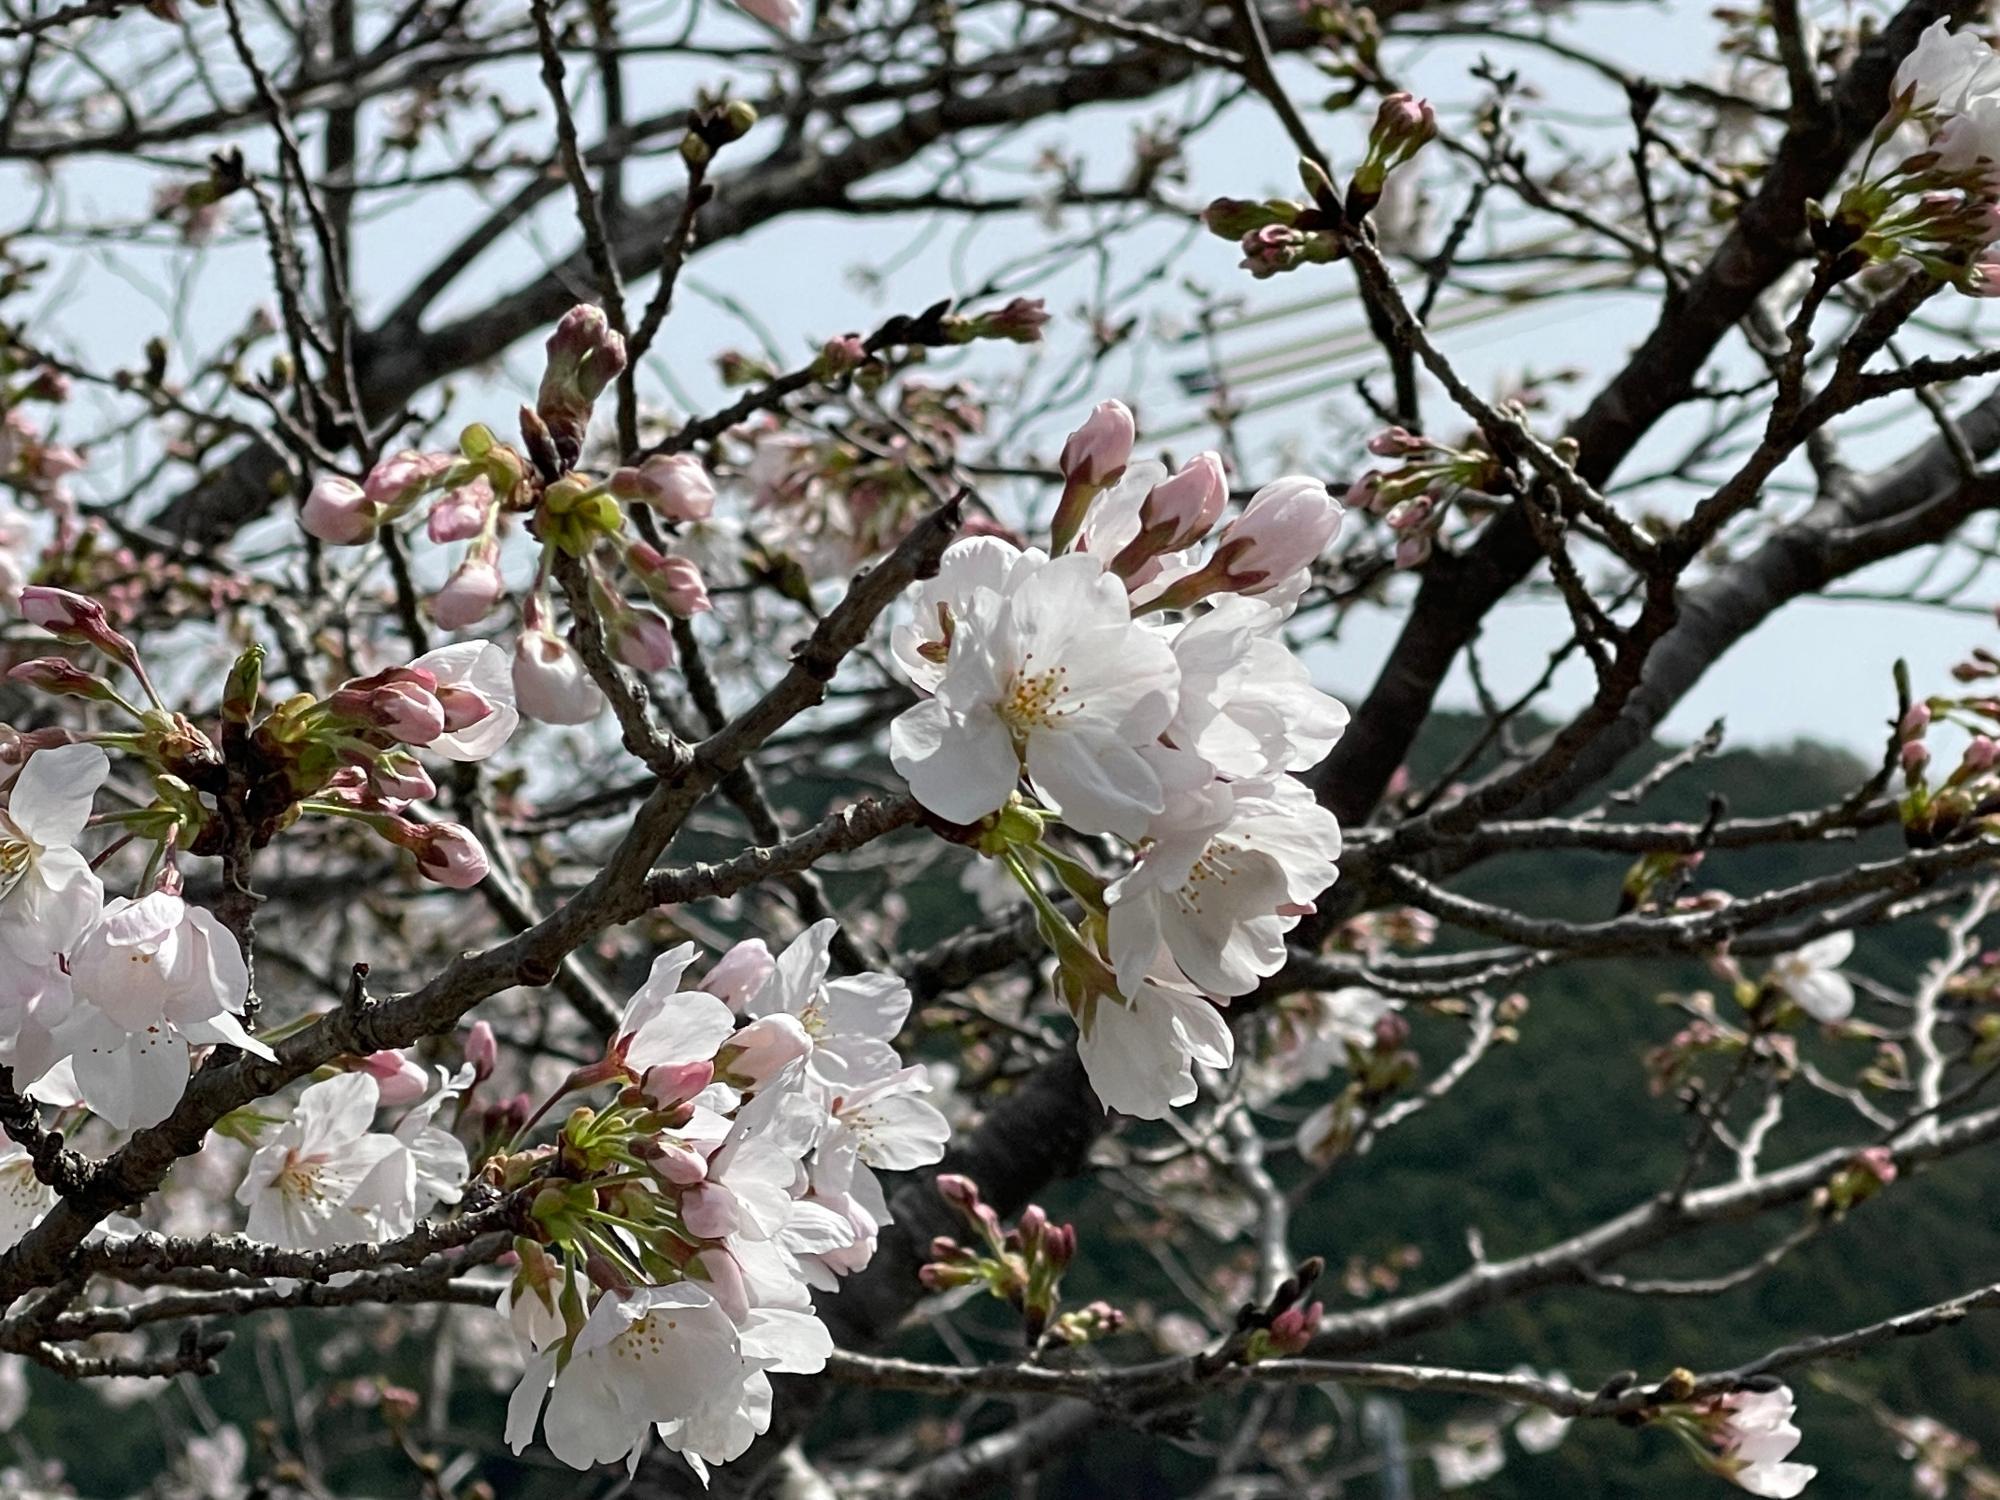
(681, 1228)
(101, 1000)
(327, 1177)
(835, 508)
(1133, 685)
(1937, 200)
(476, 493)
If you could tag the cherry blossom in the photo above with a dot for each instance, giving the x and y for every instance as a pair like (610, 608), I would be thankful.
(152, 978)
(1226, 875)
(1811, 977)
(24, 1197)
(319, 1179)
(1063, 684)
(850, 1020)
(1140, 1050)
(48, 893)
(1755, 1434)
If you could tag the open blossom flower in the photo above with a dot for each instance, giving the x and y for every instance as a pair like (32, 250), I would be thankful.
(317, 1180)
(886, 1125)
(476, 691)
(1947, 70)
(656, 1354)
(1811, 977)
(1060, 682)
(152, 978)
(439, 1164)
(849, 1020)
(48, 894)
(969, 568)
(24, 1197)
(665, 1026)
(1228, 873)
(1140, 1054)
(1247, 705)
(1754, 1434)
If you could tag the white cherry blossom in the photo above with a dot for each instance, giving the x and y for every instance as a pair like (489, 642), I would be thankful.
(467, 673)
(326, 1176)
(24, 1198)
(152, 978)
(1140, 1055)
(1226, 876)
(1247, 705)
(1062, 684)
(1811, 977)
(849, 1020)
(655, 1355)
(48, 893)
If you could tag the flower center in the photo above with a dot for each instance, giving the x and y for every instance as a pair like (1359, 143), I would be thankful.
(1034, 700)
(1211, 874)
(16, 855)
(300, 1179)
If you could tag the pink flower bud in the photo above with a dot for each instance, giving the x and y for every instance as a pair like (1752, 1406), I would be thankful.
(670, 1084)
(1283, 530)
(62, 677)
(1187, 505)
(399, 1077)
(1404, 123)
(339, 513)
(399, 479)
(674, 1162)
(550, 683)
(401, 778)
(1982, 753)
(1097, 452)
(459, 515)
(1915, 722)
(839, 356)
(446, 853)
(1878, 1162)
(643, 640)
(674, 582)
(959, 1191)
(1397, 442)
(1916, 755)
(584, 356)
(674, 484)
(783, 14)
(464, 706)
(766, 1047)
(452, 857)
(482, 1050)
(1411, 513)
(1293, 1329)
(473, 592)
(1020, 321)
(740, 973)
(62, 613)
(408, 711)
